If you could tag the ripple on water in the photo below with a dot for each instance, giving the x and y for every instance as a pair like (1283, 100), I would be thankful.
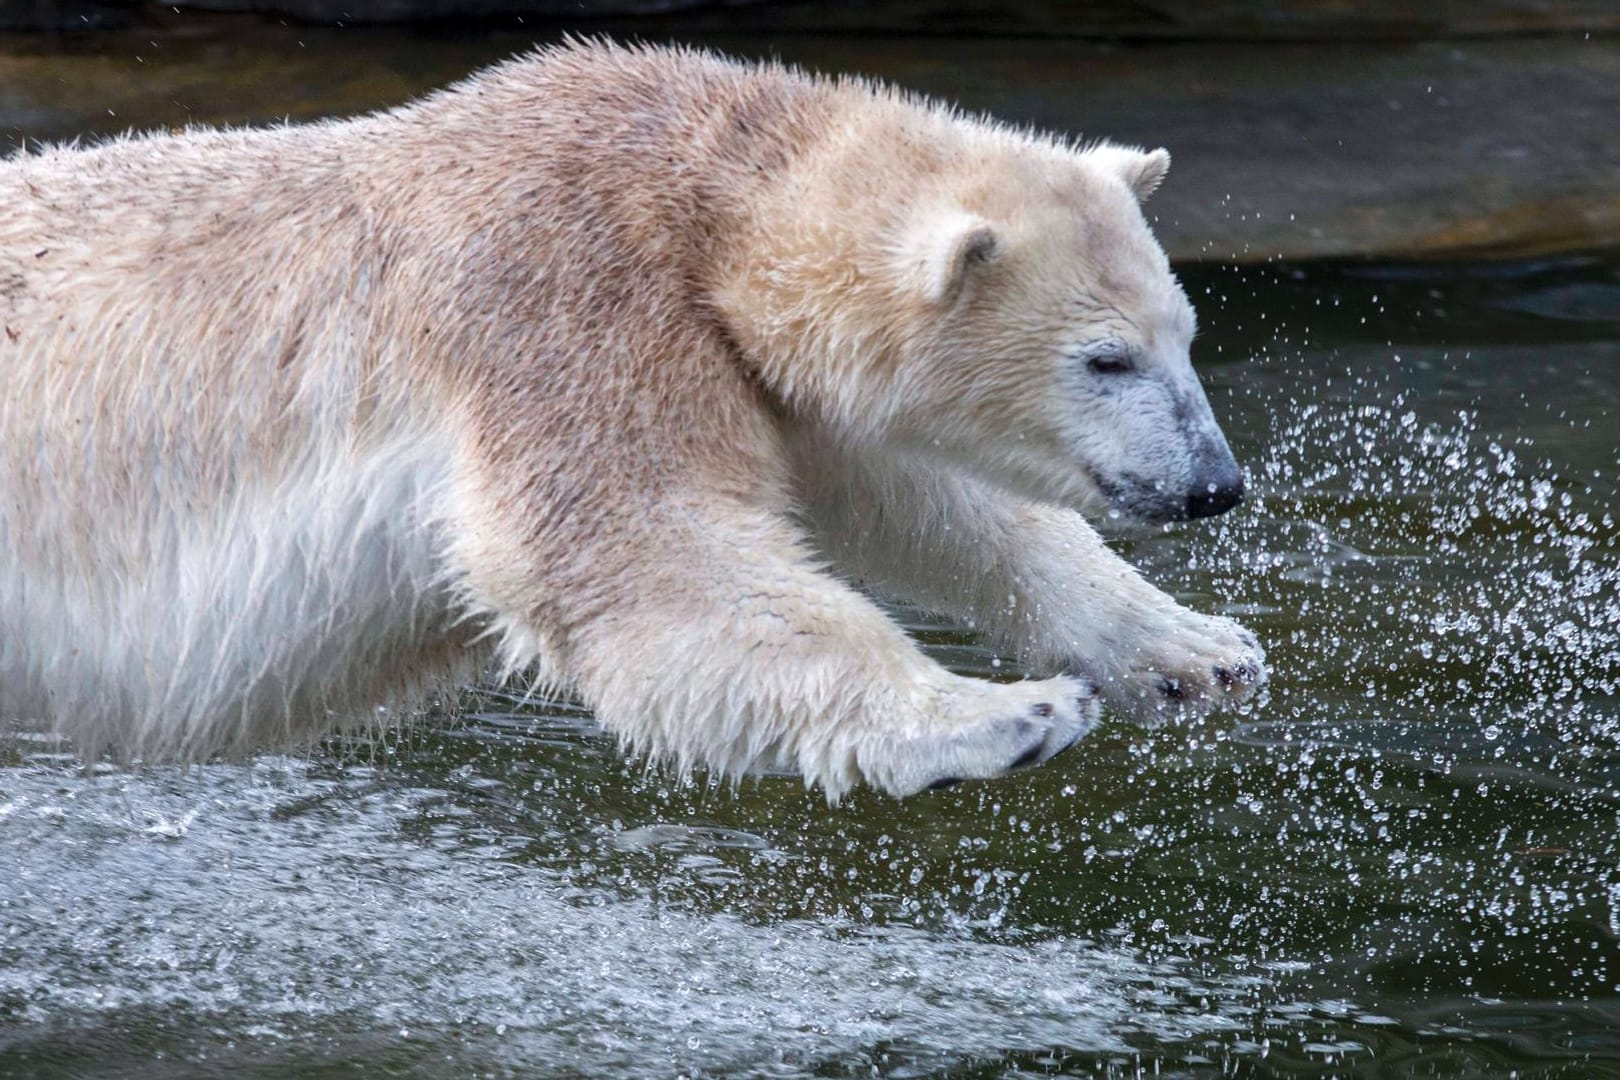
(292, 912)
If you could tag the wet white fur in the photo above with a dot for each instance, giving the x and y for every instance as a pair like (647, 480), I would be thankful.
(616, 367)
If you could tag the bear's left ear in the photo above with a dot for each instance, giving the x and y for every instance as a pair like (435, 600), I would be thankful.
(1142, 171)
(946, 250)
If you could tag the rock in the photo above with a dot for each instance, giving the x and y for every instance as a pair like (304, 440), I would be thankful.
(106, 14)
(358, 12)
(1162, 19)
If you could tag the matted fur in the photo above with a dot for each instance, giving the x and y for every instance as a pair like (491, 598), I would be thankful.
(585, 367)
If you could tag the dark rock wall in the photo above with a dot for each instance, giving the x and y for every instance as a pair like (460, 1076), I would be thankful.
(1173, 19)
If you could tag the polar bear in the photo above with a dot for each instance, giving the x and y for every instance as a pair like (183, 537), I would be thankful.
(619, 366)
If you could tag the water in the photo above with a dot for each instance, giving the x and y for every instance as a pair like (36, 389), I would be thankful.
(1403, 861)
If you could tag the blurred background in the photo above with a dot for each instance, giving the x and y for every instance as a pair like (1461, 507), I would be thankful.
(1399, 223)
(1300, 129)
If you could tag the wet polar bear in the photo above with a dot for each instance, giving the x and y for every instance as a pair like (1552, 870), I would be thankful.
(617, 366)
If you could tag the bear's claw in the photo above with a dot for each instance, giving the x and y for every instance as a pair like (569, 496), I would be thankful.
(1194, 663)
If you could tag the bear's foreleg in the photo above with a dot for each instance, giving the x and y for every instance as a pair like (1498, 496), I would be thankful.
(732, 649)
(1037, 579)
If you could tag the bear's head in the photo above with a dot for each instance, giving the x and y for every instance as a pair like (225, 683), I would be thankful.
(971, 293)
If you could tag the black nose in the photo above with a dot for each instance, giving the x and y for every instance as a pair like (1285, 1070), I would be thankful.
(1217, 497)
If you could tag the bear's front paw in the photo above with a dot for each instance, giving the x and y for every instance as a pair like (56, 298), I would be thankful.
(975, 730)
(1185, 668)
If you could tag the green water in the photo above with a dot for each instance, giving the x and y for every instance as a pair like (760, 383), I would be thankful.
(1403, 861)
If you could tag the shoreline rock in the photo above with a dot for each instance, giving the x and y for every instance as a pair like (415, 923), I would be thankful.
(1179, 20)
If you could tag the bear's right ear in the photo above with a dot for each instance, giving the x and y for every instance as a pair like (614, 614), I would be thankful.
(946, 249)
(1142, 170)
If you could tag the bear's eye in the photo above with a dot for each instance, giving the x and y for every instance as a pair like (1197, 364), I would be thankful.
(1110, 361)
